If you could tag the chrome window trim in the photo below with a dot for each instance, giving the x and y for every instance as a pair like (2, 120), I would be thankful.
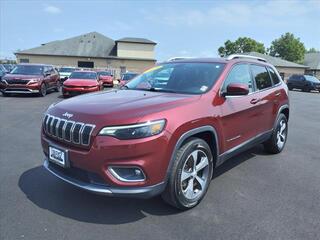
(255, 89)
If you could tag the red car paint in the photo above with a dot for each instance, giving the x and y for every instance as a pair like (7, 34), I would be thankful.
(107, 80)
(30, 83)
(125, 77)
(235, 120)
(74, 86)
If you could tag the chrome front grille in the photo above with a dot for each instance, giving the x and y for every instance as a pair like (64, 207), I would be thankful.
(17, 81)
(68, 131)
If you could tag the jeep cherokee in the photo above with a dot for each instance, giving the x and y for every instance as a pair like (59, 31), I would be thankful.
(165, 136)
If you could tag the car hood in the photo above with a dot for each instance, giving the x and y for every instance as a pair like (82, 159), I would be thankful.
(20, 76)
(119, 107)
(80, 82)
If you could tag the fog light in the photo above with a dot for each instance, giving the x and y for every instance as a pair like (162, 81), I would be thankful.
(128, 174)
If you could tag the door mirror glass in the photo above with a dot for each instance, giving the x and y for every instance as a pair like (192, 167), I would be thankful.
(236, 89)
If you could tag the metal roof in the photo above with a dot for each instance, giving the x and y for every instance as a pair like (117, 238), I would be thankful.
(91, 44)
(86, 45)
(136, 40)
(275, 61)
(312, 60)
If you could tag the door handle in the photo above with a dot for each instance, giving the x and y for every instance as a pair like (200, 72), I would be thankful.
(254, 100)
(277, 94)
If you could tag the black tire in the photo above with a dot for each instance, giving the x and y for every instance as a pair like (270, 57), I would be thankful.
(174, 194)
(290, 88)
(5, 94)
(43, 90)
(272, 145)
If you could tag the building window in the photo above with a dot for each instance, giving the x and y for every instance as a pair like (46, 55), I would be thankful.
(24, 60)
(85, 64)
(123, 69)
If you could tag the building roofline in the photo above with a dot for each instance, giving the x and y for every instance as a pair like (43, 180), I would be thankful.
(109, 57)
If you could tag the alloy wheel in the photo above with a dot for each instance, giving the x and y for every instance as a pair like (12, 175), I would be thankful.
(281, 134)
(195, 174)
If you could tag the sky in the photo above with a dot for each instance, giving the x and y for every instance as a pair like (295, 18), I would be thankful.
(181, 28)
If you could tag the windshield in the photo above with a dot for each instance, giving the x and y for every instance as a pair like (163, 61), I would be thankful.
(104, 73)
(83, 75)
(128, 76)
(312, 79)
(189, 78)
(28, 70)
(66, 70)
(7, 67)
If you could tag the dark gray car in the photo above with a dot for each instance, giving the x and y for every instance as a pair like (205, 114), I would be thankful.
(304, 82)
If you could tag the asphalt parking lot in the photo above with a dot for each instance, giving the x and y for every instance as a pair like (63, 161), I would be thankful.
(252, 196)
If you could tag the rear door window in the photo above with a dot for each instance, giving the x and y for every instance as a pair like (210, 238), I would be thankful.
(261, 77)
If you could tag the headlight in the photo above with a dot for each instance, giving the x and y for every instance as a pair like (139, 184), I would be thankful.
(34, 81)
(135, 131)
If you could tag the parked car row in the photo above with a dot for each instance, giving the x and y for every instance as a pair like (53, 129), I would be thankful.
(304, 82)
(41, 78)
(30, 78)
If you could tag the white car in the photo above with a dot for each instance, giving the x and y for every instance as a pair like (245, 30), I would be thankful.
(65, 72)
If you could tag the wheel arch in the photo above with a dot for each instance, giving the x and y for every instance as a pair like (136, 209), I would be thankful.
(207, 133)
(285, 110)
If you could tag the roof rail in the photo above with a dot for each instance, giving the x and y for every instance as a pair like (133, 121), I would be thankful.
(177, 58)
(234, 56)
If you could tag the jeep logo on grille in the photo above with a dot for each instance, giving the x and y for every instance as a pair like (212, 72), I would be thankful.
(68, 115)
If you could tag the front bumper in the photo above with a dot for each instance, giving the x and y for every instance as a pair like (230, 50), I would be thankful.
(69, 91)
(138, 192)
(151, 155)
(19, 88)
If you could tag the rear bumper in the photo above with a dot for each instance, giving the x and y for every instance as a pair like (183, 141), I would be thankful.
(137, 192)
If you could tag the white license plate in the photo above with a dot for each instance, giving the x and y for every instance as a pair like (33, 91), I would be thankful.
(57, 156)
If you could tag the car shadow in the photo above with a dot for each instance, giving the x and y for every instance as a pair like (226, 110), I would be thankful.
(48, 192)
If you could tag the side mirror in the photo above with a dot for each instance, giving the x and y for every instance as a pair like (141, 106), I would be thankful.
(236, 89)
(46, 74)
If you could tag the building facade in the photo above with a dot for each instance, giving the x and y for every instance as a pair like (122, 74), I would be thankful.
(94, 50)
(312, 60)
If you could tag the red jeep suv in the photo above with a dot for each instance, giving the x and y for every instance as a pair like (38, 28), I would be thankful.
(31, 78)
(166, 135)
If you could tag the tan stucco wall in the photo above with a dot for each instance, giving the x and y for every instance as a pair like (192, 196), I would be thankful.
(130, 65)
(290, 71)
(136, 50)
(315, 73)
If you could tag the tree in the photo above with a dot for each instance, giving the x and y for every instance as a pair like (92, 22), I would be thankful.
(312, 50)
(288, 47)
(241, 45)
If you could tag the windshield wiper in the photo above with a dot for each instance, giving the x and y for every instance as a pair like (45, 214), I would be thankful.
(125, 87)
(153, 89)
